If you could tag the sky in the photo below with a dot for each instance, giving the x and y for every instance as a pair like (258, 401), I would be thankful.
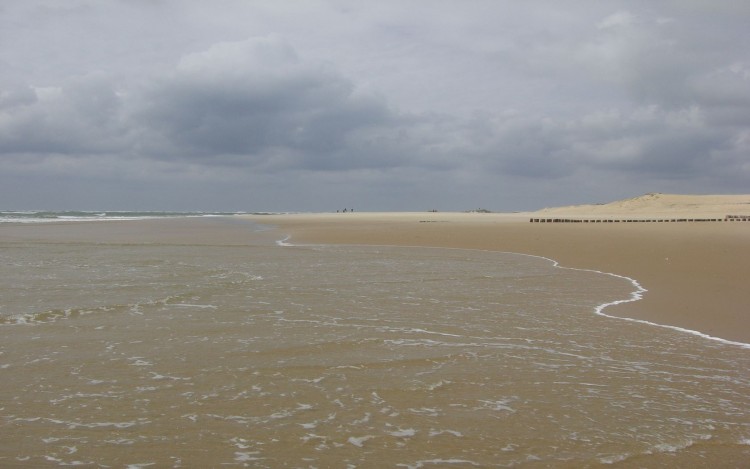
(394, 105)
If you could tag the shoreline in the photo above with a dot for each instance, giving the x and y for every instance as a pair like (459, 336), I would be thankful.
(694, 274)
(488, 338)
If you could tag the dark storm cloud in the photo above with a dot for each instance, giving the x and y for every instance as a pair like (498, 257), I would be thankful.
(251, 103)
(255, 102)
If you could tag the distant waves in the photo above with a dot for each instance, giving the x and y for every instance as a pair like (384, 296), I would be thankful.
(33, 216)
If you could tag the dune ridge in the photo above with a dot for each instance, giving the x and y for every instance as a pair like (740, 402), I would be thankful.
(658, 204)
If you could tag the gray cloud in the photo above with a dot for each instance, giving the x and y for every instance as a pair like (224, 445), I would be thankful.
(469, 103)
(256, 103)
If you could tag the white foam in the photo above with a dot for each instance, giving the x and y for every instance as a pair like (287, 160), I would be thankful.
(74, 425)
(247, 456)
(359, 441)
(283, 242)
(403, 433)
(424, 331)
(614, 458)
(280, 415)
(240, 443)
(423, 462)
(450, 432)
(425, 411)
(305, 380)
(671, 448)
(364, 419)
(313, 436)
(636, 295)
(501, 405)
(146, 388)
(120, 441)
(138, 361)
(438, 385)
(68, 463)
(189, 305)
(158, 376)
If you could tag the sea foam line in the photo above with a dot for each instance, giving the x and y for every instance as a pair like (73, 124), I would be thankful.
(636, 295)
(283, 242)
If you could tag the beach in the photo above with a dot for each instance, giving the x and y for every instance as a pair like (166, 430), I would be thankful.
(208, 341)
(695, 273)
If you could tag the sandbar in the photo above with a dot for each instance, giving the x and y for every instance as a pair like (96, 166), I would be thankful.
(695, 273)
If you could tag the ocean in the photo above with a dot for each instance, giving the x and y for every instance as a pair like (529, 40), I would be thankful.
(43, 216)
(208, 342)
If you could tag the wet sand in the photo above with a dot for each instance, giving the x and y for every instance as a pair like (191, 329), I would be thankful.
(695, 273)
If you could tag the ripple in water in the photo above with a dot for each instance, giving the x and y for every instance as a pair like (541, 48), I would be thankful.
(276, 356)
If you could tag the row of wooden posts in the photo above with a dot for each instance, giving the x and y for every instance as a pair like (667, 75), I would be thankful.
(638, 220)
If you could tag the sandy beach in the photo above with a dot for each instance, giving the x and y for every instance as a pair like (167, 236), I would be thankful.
(695, 272)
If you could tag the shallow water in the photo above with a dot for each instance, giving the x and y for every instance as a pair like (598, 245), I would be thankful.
(268, 356)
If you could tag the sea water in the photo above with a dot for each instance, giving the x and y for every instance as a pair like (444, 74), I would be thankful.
(44, 216)
(263, 355)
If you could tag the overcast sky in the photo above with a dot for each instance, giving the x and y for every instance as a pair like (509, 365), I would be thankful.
(373, 105)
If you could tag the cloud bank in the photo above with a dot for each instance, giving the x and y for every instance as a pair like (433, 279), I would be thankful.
(238, 106)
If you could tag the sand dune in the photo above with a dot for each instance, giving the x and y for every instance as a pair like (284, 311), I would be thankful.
(656, 205)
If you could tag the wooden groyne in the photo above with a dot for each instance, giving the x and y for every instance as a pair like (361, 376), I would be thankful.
(727, 218)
